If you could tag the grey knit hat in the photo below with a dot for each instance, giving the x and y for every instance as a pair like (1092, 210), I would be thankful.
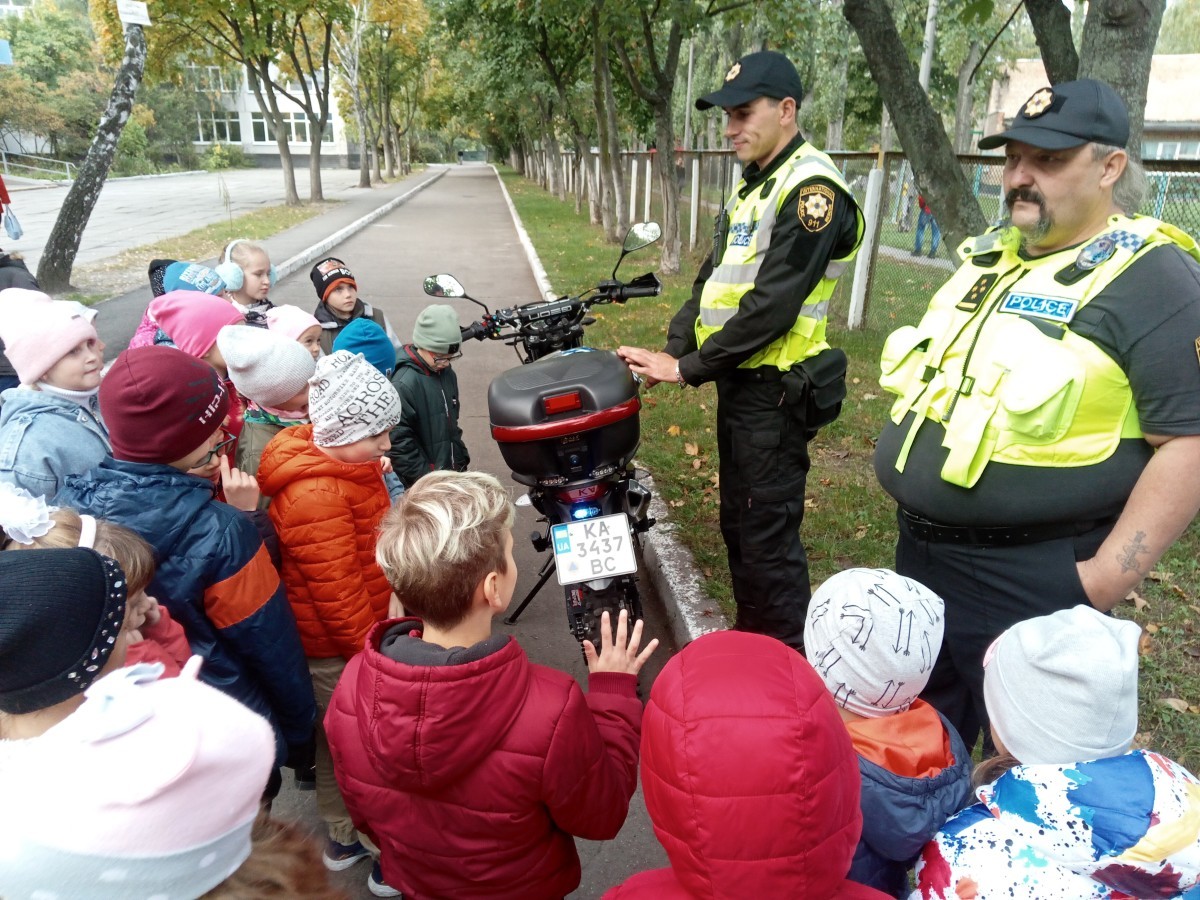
(437, 329)
(349, 399)
(265, 366)
(1062, 688)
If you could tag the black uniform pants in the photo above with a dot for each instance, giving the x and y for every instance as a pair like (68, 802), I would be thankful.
(987, 590)
(764, 464)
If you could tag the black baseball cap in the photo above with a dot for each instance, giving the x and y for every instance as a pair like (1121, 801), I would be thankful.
(762, 74)
(1067, 115)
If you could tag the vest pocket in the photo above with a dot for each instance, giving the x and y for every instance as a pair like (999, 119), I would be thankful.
(1040, 397)
(902, 364)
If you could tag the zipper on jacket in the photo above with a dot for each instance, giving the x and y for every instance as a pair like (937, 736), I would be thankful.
(967, 381)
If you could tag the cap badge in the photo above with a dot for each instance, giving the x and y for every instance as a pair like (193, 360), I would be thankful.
(734, 71)
(1038, 103)
(1096, 252)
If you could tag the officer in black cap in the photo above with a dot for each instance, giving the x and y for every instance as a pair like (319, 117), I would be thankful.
(755, 324)
(1044, 445)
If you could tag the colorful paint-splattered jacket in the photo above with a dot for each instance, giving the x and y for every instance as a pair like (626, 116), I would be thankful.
(1114, 829)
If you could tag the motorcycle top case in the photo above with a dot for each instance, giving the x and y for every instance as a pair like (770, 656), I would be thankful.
(569, 416)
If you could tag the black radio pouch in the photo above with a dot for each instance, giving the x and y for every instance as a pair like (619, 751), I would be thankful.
(819, 383)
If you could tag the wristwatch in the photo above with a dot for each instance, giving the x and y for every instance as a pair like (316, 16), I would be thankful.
(679, 378)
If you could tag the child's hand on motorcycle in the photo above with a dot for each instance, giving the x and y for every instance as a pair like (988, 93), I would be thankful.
(619, 654)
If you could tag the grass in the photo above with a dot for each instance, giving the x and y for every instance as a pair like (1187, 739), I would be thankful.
(849, 520)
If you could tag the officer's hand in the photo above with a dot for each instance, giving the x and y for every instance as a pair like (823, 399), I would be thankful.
(651, 365)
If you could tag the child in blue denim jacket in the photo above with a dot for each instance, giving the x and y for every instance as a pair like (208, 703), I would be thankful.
(50, 426)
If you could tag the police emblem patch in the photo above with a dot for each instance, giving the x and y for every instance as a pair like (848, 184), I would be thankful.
(734, 71)
(979, 290)
(1096, 252)
(816, 206)
(1198, 350)
(1038, 103)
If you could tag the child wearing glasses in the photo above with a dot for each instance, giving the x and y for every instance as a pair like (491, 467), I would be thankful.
(164, 411)
(327, 500)
(428, 437)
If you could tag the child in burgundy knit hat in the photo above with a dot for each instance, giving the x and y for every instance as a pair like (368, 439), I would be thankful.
(50, 426)
(165, 412)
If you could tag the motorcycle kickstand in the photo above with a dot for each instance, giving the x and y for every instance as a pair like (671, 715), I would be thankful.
(547, 569)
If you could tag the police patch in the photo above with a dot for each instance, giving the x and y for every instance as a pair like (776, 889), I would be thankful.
(816, 207)
(1198, 350)
(734, 71)
(1053, 309)
(1038, 103)
(971, 300)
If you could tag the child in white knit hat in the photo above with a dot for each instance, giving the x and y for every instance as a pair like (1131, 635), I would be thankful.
(272, 373)
(1071, 812)
(328, 498)
(50, 426)
(873, 636)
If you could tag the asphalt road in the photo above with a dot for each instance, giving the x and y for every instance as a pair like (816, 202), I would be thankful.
(462, 225)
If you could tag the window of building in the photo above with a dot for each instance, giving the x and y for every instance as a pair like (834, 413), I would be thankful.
(206, 79)
(296, 124)
(222, 127)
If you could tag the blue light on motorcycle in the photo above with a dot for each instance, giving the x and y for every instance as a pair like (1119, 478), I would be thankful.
(585, 512)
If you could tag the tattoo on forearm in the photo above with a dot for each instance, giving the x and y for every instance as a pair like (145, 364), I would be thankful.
(1128, 557)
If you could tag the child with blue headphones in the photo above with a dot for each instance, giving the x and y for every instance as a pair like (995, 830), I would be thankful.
(249, 276)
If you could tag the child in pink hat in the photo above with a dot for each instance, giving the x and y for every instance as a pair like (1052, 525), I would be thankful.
(50, 426)
(297, 324)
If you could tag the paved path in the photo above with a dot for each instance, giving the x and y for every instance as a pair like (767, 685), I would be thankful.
(458, 223)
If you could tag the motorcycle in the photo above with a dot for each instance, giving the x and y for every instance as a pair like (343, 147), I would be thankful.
(566, 421)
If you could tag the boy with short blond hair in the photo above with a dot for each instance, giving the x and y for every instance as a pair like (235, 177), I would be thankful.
(469, 766)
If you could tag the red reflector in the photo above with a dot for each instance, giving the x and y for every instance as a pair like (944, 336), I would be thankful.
(561, 403)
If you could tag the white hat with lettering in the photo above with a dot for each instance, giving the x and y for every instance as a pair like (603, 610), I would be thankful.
(349, 399)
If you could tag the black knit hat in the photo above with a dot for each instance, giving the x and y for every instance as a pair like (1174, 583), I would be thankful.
(328, 274)
(61, 612)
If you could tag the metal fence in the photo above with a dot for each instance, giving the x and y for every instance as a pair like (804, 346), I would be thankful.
(896, 281)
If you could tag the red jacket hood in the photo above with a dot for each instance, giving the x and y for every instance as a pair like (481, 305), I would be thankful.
(426, 725)
(292, 455)
(749, 775)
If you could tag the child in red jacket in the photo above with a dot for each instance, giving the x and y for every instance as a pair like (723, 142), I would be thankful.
(470, 766)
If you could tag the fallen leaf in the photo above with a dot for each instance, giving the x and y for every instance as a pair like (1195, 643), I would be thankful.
(1139, 602)
(1156, 575)
(1175, 703)
(1195, 609)
(870, 396)
(855, 380)
(825, 482)
(708, 613)
(704, 407)
(1153, 627)
(716, 480)
(1193, 652)
(810, 503)
(677, 503)
(707, 572)
(696, 463)
(674, 430)
(840, 454)
(861, 532)
(1145, 645)
(690, 449)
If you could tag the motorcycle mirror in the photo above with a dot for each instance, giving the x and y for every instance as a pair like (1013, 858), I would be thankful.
(524, 500)
(640, 235)
(444, 285)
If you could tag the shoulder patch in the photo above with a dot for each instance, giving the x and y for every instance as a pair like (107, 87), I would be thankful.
(1198, 350)
(816, 206)
(971, 300)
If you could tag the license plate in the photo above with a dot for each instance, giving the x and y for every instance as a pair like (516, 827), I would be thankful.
(593, 548)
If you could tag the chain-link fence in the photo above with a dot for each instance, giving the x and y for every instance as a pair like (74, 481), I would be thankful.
(910, 259)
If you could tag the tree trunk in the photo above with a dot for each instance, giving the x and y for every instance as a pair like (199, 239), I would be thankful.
(316, 193)
(668, 186)
(58, 258)
(516, 159)
(1117, 46)
(964, 107)
(919, 127)
(1051, 22)
(616, 164)
(608, 189)
(268, 105)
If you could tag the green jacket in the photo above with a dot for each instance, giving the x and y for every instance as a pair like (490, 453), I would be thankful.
(428, 436)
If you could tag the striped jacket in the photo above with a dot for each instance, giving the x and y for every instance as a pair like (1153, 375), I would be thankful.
(216, 579)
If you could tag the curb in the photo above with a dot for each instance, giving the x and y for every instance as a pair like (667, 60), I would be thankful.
(308, 254)
(668, 563)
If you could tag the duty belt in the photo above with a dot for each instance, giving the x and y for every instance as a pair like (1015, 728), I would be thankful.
(996, 536)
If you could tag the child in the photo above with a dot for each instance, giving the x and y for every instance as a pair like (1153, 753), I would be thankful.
(249, 276)
(272, 373)
(365, 337)
(1071, 812)
(749, 777)
(167, 275)
(339, 303)
(469, 766)
(328, 499)
(190, 321)
(164, 411)
(116, 784)
(873, 636)
(31, 525)
(428, 436)
(297, 325)
(51, 426)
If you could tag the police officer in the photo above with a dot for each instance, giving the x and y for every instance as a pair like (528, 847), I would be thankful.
(1044, 446)
(758, 309)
